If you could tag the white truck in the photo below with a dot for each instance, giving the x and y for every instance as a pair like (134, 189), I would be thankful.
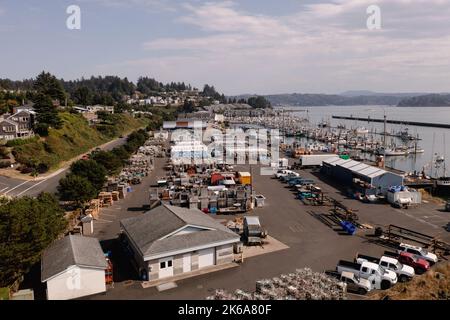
(403, 272)
(380, 277)
(314, 160)
(400, 199)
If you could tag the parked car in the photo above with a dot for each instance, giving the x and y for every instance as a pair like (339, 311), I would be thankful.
(448, 227)
(380, 277)
(420, 265)
(404, 272)
(447, 206)
(418, 251)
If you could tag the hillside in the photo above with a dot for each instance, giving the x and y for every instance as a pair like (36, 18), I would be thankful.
(74, 138)
(433, 285)
(297, 99)
(429, 100)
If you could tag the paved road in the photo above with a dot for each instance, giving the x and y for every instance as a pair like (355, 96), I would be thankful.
(19, 188)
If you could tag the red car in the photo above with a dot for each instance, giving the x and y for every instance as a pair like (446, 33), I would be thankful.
(420, 265)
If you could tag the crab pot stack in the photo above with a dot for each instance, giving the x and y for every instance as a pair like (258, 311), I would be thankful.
(304, 284)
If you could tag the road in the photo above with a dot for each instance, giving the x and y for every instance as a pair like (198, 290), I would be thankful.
(19, 188)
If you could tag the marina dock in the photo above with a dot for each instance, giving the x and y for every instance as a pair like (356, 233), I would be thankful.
(401, 122)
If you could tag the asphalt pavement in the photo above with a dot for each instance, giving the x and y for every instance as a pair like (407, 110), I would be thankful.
(18, 188)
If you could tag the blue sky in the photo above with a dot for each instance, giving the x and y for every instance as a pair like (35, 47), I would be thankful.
(247, 46)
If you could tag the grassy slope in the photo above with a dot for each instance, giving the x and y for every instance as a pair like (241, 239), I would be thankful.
(74, 138)
(433, 285)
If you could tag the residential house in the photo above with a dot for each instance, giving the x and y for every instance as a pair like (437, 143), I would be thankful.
(18, 125)
(73, 267)
(169, 241)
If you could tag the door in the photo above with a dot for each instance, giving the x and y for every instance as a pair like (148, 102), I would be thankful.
(166, 267)
(206, 257)
(187, 262)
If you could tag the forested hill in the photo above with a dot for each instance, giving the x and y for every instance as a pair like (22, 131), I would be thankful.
(429, 100)
(297, 99)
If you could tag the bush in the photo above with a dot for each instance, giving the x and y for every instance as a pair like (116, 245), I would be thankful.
(77, 189)
(91, 170)
(21, 142)
(5, 164)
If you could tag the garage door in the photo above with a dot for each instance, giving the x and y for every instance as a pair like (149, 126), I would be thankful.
(206, 257)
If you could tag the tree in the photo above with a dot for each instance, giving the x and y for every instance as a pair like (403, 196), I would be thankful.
(77, 189)
(259, 102)
(46, 114)
(188, 106)
(108, 160)
(48, 85)
(27, 227)
(91, 170)
(82, 95)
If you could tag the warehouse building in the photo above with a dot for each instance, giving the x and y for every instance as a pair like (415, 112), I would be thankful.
(354, 173)
(169, 241)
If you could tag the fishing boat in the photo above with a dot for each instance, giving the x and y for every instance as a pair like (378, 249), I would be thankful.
(362, 131)
(391, 152)
(416, 150)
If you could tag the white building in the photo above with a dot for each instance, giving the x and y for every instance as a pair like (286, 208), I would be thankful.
(73, 267)
(169, 241)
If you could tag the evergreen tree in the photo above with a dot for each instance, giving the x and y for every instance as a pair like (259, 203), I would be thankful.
(46, 114)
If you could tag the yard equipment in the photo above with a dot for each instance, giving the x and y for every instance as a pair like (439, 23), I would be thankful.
(253, 232)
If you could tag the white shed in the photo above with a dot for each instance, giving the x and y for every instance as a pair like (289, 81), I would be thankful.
(73, 267)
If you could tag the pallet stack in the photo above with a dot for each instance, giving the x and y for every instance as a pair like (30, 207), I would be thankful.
(304, 284)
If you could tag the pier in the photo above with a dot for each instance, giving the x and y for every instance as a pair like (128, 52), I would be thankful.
(401, 122)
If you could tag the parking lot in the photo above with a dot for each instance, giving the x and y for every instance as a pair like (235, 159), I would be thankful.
(311, 243)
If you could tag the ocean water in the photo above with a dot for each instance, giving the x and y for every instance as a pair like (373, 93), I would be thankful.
(433, 140)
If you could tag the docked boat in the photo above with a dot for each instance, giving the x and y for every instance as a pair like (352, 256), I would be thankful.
(362, 131)
(391, 152)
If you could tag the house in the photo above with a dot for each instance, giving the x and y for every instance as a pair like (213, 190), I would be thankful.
(73, 267)
(168, 241)
(18, 125)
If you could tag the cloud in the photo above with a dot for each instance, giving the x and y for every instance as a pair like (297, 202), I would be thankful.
(324, 47)
(151, 5)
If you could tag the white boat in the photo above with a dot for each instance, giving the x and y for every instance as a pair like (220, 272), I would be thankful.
(362, 131)
(416, 150)
(391, 152)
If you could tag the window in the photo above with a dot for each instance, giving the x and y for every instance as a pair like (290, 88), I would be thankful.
(384, 263)
(162, 265)
(364, 269)
(169, 263)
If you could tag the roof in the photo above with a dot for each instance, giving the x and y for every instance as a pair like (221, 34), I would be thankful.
(69, 251)
(335, 161)
(245, 174)
(252, 220)
(151, 232)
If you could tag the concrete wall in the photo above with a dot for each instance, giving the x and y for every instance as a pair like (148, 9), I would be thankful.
(76, 282)
(224, 254)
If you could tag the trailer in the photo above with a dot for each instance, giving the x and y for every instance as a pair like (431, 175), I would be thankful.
(314, 160)
(253, 231)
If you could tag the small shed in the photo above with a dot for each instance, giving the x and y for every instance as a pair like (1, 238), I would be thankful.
(73, 267)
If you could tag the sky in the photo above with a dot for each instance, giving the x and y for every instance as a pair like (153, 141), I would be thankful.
(240, 47)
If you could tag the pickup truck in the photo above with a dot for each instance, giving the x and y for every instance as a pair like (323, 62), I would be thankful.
(282, 173)
(352, 283)
(418, 251)
(289, 176)
(380, 277)
(404, 272)
(420, 265)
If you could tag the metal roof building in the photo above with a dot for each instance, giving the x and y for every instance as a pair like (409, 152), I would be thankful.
(348, 171)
